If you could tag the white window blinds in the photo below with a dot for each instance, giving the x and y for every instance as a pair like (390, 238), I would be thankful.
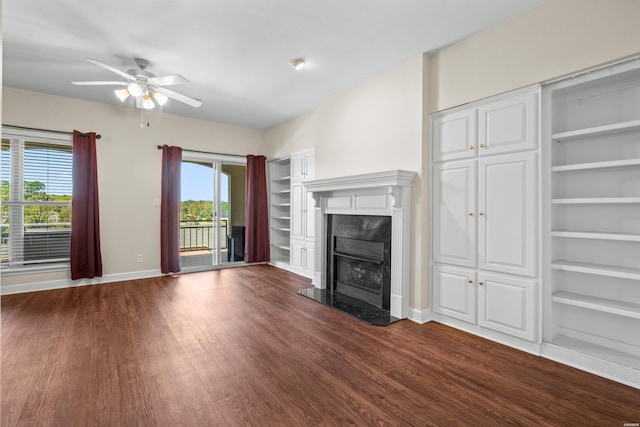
(36, 200)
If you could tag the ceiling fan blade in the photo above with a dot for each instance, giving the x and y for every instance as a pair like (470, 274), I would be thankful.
(105, 83)
(173, 79)
(179, 97)
(110, 68)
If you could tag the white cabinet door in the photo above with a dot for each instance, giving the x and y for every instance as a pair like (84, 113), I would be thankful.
(302, 165)
(297, 254)
(455, 136)
(309, 258)
(508, 125)
(454, 292)
(507, 304)
(454, 216)
(506, 213)
(309, 217)
(298, 201)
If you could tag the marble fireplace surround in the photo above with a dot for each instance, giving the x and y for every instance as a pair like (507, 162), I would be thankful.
(382, 193)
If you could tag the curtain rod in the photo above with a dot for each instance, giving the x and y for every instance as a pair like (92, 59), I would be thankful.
(206, 152)
(98, 136)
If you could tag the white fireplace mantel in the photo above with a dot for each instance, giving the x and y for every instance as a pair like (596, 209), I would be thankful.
(383, 193)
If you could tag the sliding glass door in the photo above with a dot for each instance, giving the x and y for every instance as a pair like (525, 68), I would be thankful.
(212, 211)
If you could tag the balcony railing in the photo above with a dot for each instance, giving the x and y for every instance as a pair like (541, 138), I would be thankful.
(197, 238)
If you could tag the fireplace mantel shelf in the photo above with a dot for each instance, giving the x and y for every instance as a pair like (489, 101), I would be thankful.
(393, 178)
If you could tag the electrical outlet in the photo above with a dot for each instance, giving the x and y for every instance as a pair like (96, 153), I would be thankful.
(139, 258)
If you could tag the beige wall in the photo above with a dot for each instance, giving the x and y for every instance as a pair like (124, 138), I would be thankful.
(128, 167)
(374, 126)
(557, 38)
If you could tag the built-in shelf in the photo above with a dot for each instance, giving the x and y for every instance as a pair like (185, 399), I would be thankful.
(620, 308)
(597, 351)
(597, 269)
(596, 201)
(284, 178)
(596, 165)
(282, 218)
(287, 191)
(624, 237)
(630, 126)
(281, 205)
(281, 246)
(281, 228)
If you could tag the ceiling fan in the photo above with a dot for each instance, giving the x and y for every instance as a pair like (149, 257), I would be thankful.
(143, 85)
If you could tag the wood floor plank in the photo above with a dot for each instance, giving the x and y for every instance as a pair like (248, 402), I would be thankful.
(239, 347)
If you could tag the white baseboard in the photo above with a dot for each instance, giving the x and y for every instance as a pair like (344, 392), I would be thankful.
(420, 316)
(68, 283)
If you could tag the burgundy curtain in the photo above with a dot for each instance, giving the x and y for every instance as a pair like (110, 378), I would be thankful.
(256, 246)
(86, 259)
(170, 210)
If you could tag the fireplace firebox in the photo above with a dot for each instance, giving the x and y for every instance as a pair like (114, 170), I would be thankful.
(359, 257)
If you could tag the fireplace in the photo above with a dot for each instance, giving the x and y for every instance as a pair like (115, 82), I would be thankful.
(371, 262)
(359, 257)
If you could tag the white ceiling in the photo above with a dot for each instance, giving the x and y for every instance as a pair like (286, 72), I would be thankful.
(235, 53)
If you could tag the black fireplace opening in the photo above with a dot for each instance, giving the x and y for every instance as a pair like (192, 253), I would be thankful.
(358, 274)
(359, 257)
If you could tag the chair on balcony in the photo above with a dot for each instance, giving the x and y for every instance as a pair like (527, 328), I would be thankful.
(235, 243)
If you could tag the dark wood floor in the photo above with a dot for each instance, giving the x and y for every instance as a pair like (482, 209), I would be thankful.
(240, 347)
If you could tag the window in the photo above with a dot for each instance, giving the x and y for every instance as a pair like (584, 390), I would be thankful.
(36, 200)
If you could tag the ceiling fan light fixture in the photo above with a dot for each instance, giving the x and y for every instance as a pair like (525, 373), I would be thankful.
(147, 103)
(134, 89)
(122, 94)
(161, 99)
(298, 63)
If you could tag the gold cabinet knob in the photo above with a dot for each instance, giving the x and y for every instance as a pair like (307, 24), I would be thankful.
(470, 281)
(481, 283)
(481, 145)
(481, 213)
(471, 147)
(470, 213)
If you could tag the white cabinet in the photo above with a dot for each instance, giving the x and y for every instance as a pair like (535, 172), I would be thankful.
(292, 217)
(302, 165)
(504, 213)
(455, 292)
(485, 213)
(303, 256)
(302, 213)
(455, 135)
(498, 302)
(506, 125)
(592, 292)
(507, 188)
(454, 208)
(507, 304)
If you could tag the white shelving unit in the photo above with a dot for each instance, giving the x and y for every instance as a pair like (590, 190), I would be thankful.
(592, 277)
(280, 210)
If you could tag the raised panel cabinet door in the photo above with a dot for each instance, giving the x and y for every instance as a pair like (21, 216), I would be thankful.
(309, 217)
(297, 254)
(507, 304)
(297, 167)
(507, 213)
(309, 165)
(454, 215)
(454, 292)
(298, 203)
(455, 136)
(508, 125)
(309, 259)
